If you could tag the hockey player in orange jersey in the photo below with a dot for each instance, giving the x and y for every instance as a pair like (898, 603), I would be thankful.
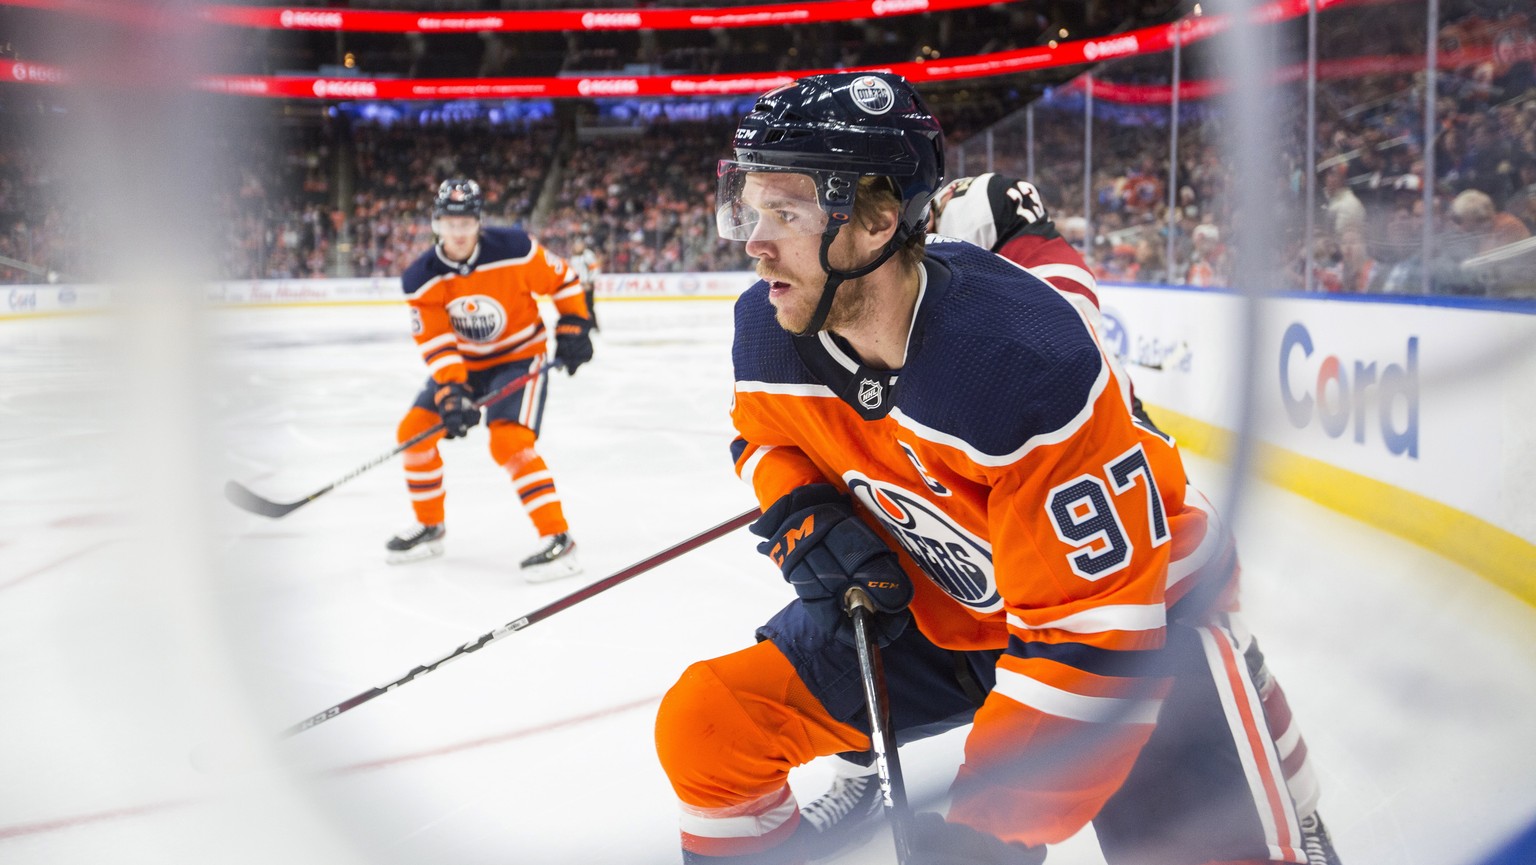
(932, 423)
(477, 323)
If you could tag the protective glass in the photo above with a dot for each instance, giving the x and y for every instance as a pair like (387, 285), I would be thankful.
(756, 202)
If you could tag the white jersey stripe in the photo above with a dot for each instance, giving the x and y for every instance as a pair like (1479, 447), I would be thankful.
(1112, 617)
(508, 262)
(785, 389)
(1079, 707)
(1056, 436)
(425, 287)
(444, 362)
(749, 466)
(424, 476)
(429, 495)
(438, 342)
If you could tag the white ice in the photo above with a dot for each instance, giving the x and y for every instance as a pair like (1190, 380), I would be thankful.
(142, 617)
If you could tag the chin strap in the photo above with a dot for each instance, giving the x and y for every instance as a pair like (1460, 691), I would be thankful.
(837, 277)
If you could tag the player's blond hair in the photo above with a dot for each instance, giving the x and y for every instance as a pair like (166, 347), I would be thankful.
(878, 195)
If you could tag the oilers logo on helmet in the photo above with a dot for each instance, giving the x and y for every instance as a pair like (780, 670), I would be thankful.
(956, 560)
(458, 197)
(872, 95)
(477, 318)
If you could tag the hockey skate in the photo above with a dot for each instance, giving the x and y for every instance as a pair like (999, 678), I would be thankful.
(844, 816)
(554, 560)
(415, 543)
(1315, 841)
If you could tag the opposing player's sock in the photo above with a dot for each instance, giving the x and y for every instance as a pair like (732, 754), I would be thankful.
(1315, 841)
(555, 559)
(845, 815)
(415, 543)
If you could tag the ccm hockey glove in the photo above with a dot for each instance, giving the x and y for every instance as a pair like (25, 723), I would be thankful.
(823, 548)
(573, 344)
(456, 406)
(936, 841)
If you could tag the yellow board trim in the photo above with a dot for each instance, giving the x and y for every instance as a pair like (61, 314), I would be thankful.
(1502, 557)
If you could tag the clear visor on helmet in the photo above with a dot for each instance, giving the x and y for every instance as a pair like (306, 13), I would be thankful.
(455, 224)
(757, 202)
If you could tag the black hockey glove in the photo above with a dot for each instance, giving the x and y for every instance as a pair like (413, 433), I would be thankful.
(824, 549)
(936, 841)
(573, 344)
(456, 406)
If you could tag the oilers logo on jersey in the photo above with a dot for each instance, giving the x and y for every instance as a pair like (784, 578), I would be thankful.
(477, 318)
(956, 560)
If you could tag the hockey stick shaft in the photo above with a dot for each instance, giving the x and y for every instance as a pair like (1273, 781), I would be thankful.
(882, 739)
(243, 498)
(538, 615)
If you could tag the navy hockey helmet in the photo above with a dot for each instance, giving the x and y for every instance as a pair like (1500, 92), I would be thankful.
(458, 197)
(836, 128)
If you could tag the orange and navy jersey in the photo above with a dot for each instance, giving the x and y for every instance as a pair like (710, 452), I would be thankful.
(1033, 512)
(481, 313)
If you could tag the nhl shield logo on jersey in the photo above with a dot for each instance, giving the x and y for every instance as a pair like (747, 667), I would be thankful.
(872, 94)
(871, 393)
(956, 560)
(477, 318)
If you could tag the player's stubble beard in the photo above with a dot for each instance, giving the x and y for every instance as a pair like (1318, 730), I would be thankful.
(850, 305)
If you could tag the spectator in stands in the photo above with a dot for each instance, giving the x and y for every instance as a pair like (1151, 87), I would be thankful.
(1358, 271)
(1485, 226)
(1150, 266)
(1327, 269)
(1208, 263)
(1343, 207)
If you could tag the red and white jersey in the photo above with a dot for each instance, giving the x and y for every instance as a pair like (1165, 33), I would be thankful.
(1006, 215)
(480, 313)
(1032, 510)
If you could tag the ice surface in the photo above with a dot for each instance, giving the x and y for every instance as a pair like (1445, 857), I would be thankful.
(141, 616)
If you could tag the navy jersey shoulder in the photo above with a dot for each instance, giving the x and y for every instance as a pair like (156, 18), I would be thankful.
(424, 269)
(762, 350)
(1002, 357)
(496, 244)
(997, 356)
(503, 244)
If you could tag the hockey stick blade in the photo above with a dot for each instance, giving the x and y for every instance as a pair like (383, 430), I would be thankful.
(246, 500)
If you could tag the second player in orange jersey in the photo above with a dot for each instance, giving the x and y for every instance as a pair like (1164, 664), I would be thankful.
(476, 320)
